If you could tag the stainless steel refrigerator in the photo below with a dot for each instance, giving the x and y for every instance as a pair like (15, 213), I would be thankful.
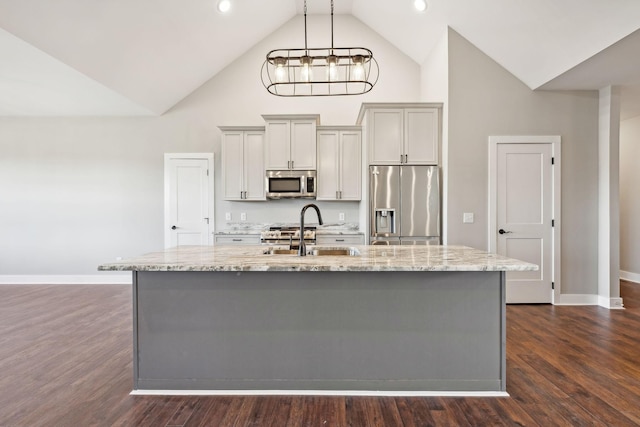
(404, 205)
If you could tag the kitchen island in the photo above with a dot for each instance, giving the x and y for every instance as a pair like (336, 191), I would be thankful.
(386, 319)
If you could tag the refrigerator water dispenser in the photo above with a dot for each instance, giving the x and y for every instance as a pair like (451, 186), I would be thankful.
(385, 221)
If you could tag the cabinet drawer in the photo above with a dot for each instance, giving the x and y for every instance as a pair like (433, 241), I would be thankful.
(339, 239)
(237, 239)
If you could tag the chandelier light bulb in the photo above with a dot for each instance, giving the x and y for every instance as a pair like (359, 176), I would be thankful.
(332, 68)
(306, 72)
(358, 67)
(281, 70)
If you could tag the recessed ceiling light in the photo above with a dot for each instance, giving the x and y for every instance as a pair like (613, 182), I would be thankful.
(224, 5)
(420, 5)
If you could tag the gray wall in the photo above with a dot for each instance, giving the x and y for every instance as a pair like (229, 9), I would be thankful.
(76, 192)
(484, 100)
(630, 196)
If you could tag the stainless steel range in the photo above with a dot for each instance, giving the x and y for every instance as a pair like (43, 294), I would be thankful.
(287, 236)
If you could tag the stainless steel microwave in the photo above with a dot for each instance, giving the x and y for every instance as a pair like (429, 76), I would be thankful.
(291, 184)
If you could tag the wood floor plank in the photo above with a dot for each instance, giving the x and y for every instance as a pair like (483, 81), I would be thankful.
(282, 414)
(320, 411)
(414, 412)
(212, 412)
(66, 360)
(296, 411)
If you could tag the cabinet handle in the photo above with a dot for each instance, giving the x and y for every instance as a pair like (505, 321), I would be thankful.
(401, 161)
(339, 240)
(340, 194)
(337, 194)
(406, 158)
(245, 194)
(236, 240)
(291, 164)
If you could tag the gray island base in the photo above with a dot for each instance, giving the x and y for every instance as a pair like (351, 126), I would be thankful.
(304, 326)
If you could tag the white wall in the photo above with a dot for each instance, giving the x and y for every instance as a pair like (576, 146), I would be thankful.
(435, 88)
(630, 197)
(236, 97)
(609, 197)
(484, 100)
(78, 192)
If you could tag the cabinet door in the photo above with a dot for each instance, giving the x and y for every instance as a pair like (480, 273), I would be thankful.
(232, 165)
(386, 135)
(254, 174)
(328, 164)
(421, 136)
(277, 143)
(303, 144)
(350, 183)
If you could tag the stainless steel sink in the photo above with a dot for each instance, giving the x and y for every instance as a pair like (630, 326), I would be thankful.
(278, 251)
(315, 251)
(334, 251)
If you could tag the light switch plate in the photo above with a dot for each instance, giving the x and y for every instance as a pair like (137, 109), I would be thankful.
(341, 216)
(467, 217)
(227, 216)
(243, 216)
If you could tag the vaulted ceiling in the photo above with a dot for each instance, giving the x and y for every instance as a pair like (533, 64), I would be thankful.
(141, 57)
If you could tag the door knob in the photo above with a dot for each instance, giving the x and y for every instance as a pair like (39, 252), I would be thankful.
(173, 227)
(501, 231)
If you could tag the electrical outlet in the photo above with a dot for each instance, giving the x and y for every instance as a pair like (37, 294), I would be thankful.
(227, 216)
(467, 217)
(341, 216)
(243, 216)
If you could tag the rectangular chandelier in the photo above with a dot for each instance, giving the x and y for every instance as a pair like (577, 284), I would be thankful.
(319, 71)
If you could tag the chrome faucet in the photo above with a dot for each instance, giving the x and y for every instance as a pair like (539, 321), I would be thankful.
(302, 250)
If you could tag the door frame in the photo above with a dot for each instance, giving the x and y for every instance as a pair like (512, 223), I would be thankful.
(555, 141)
(167, 171)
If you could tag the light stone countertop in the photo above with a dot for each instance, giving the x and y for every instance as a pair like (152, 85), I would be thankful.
(256, 228)
(371, 258)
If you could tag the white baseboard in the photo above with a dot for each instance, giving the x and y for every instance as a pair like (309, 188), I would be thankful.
(576, 299)
(318, 393)
(60, 279)
(611, 303)
(629, 276)
(588, 299)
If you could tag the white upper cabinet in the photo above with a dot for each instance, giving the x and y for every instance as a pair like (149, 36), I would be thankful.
(243, 172)
(403, 135)
(421, 136)
(386, 132)
(290, 142)
(339, 163)
(277, 145)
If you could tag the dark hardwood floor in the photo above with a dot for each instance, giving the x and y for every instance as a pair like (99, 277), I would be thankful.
(65, 360)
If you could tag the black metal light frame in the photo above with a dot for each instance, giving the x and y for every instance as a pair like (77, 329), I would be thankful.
(319, 71)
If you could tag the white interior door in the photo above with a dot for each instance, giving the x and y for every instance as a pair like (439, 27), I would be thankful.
(524, 213)
(188, 199)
